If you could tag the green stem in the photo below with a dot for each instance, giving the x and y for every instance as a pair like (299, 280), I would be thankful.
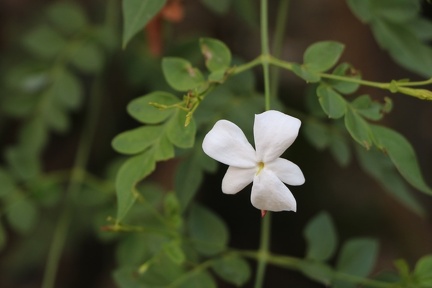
(77, 177)
(263, 251)
(298, 264)
(281, 21)
(265, 52)
(266, 221)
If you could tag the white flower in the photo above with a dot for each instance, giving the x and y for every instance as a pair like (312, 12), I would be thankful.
(274, 132)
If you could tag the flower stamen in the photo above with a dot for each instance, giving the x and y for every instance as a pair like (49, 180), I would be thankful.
(260, 167)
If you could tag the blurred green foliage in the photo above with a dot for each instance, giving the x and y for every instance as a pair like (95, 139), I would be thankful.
(56, 79)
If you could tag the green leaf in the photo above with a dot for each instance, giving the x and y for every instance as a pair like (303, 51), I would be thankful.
(233, 269)
(178, 134)
(422, 28)
(401, 154)
(207, 231)
(316, 133)
(422, 271)
(220, 6)
(172, 210)
(333, 104)
(358, 128)
(136, 14)
(67, 16)
(43, 41)
(321, 237)
(137, 140)
(306, 73)
(163, 149)
(24, 165)
(180, 74)
(56, 117)
(174, 251)
(217, 55)
(340, 149)
(345, 87)
(33, 136)
(368, 108)
(22, 214)
(317, 271)
(198, 280)
(395, 10)
(130, 173)
(125, 277)
(88, 57)
(362, 9)
(7, 183)
(188, 178)
(66, 89)
(404, 46)
(321, 56)
(357, 258)
(141, 110)
(380, 167)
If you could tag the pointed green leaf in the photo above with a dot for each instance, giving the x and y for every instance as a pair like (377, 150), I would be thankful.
(333, 104)
(180, 74)
(357, 257)
(25, 165)
(67, 16)
(188, 178)
(174, 251)
(345, 87)
(44, 41)
(22, 214)
(130, 173)
(422, 271)
(368, 108)
(66, 89)
(220, 6)
(88, 57)
(136, 14)
(316, 133)
(317, 271)
(207, 231)
(217, 55)
(232, 269)
(178, 134)
(137, 140)
(321, 56)
(380, 167)
(362, 9)
(198, 280)
(340, 149)
(306, 73)
(321, 237)
(7, 183)
(358, 128)
(141, 109)
(402, 155)
(163, 149)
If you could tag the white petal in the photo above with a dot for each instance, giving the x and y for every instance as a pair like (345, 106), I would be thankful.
(269, 193)
(226, 143)
(236, 179)
(274, 132)
(286, 171)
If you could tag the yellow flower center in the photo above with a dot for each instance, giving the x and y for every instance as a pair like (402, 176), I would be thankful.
(260, 167)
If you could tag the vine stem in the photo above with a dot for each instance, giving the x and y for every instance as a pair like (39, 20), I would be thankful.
(75, 182)
(266, 221)
(265, 52)
(281, 20)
